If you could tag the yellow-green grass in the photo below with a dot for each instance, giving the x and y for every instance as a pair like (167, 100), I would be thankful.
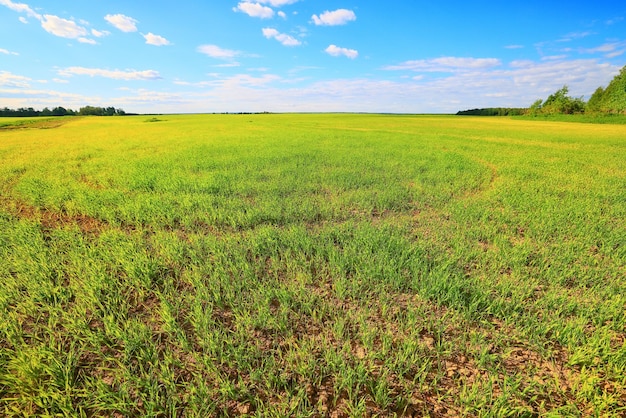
(312, 265)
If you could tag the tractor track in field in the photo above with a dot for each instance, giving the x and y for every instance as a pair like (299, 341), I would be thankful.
(37, 124)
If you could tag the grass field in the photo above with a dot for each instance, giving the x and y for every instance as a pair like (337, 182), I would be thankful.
(312, 265)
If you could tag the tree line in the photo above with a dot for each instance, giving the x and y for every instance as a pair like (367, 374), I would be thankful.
(494, 111)
(609, 100)
(61, 111)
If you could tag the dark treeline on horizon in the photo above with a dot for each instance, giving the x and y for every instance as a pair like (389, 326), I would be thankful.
(494, 111)
(61, 111)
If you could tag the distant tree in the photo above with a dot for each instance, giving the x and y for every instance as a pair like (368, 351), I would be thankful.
(59, 111)
(100, 111)
(493, 111)
(612, 99)
(535, 108)
(558, 102)
(595, 101)
(29, 112)
(90, 111)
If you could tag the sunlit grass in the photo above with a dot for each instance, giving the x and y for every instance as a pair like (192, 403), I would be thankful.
(301, 265)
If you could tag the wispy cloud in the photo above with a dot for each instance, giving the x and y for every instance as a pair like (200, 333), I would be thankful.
(100, 33)
(575, 35)
(553, 57)
(334, 18)
(446, 64)
(62, 27)
(89, 41)
(215, 51)
(37, 98)
(228, 65)
(7, 52)
(514, 47)
(21, 8)
(8, 79)
(336, 51)
(122, 22)
(55, 25)
(113, 74)
(247, 80)
(156, 40)
(254, 10)
(609, 49)
(201, 84)
(614, 20)
(287, 40)
(278, 3)
(233, 82)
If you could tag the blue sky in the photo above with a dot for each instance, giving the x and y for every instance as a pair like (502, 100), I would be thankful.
(304, 55)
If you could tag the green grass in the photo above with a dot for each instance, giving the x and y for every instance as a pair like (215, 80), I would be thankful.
(313, 265)
(602, 118)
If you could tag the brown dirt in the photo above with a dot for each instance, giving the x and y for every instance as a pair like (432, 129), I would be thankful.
(37, 124)
(53, 220)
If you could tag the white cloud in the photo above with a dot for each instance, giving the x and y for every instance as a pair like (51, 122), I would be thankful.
(610, 50)
(254, 10)
(152, 98)
(282, 15)
(52, 24)
(62, 27)
(575, 35)
(240, 80)
(60, 80)
(7, 52)
(113, 74)
(446, 64)
(229, 65)
(100, 34)
(45, 98)
(553, 57)
(246, 79)
(215, 51)
(8, 79)
(614, 21)
(152, 39)
(514, 46)
(337, 17)
(278, 3)
(20, 8)
(287, 40)
(122, 22)
(89, 41)
(336, 51)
